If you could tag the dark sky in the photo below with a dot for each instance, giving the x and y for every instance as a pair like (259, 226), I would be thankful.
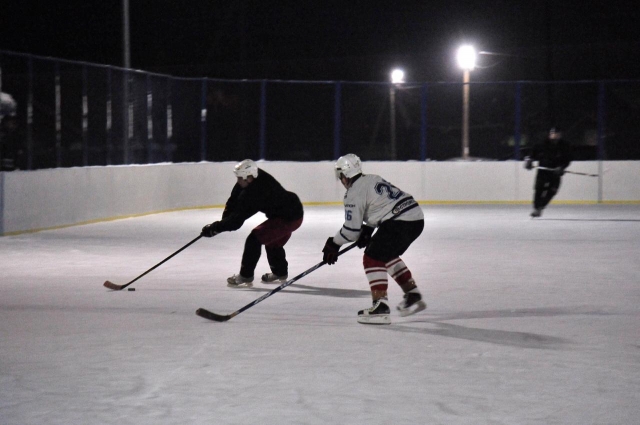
(335, 40)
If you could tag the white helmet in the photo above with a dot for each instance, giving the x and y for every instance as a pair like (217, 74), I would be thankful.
(246, 168)
(348, 165)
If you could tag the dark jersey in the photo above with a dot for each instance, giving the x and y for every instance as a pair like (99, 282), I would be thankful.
(552, 155)
(264, 194)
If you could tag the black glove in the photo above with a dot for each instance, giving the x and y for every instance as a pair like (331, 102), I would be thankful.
(528, 163)
(559, 171)
(210, 230)
(365, 236)
(330, 251)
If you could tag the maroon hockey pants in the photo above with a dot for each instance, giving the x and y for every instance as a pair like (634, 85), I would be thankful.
(273, 234)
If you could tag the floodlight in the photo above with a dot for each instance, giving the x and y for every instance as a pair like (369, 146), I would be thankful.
(397, 76)
(467, 57)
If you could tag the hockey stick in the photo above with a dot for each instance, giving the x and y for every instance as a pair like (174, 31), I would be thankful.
(220, 318)
(570, 172)
(115, 287)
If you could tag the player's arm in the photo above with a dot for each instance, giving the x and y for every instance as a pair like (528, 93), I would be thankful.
(353, 217)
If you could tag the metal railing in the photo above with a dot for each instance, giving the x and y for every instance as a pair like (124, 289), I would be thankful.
(82, 114)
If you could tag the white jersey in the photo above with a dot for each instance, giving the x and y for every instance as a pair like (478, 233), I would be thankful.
(372, 200)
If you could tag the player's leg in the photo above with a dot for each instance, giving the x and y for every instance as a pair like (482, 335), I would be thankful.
(550, 188)
(379, 313)
(400, 235)
(382, 258)
(541, 189)
(250, 257)
(274, 235)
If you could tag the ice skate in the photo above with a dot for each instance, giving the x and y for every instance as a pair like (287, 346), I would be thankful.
(239, 281)
(536, 212)
(412, 303)
(379, 314)
(273, 278)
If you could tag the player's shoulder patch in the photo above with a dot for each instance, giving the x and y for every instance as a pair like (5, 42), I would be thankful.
(404, 205)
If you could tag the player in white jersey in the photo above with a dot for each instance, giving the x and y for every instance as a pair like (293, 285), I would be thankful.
(372, 202)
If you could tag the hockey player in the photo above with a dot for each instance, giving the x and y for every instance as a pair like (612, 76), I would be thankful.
(553, 153)
(258, 191)
(369, 203)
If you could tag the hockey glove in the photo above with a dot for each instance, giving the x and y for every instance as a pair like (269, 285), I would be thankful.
(528, 163)
(330, 251)
(210, 230)
(365, 236)
(559, 171)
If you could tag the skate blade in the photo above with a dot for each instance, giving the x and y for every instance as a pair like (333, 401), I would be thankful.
(416, 308)
(274, 282)
(240, 285)
(378, 319)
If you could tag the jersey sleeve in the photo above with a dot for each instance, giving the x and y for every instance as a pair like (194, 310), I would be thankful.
(243, 207)
(230, 206)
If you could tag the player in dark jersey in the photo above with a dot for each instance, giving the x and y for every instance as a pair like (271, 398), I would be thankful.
(258, 191)
(553, 156)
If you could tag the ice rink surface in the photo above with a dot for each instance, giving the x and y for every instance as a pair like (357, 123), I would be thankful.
(529, 322)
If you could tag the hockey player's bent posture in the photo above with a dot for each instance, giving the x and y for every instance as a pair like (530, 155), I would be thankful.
(369, 203)
(258, 191)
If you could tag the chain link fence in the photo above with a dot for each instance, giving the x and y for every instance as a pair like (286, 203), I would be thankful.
(82, 114)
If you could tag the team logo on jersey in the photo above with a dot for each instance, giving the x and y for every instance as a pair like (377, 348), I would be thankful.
(404, 205)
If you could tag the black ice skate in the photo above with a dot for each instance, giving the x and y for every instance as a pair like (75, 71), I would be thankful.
(239, 281)
(273, 278)
(412, 303)
(379, 314)
(536, 212)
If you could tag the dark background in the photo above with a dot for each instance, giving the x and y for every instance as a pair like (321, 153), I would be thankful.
(571, 64)
(358, 40)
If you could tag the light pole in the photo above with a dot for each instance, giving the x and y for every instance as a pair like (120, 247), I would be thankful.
(466, 61)
(397, 77)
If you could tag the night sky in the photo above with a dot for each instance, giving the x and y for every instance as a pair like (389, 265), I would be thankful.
(336, 40)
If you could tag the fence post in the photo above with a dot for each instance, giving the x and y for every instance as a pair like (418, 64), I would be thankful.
(30, 115)
(601, 120)
(85, 117)
(203, 121)
(601, 131)
(149, 120)
(423, 122)
(518, 122)
(263, 119)
(167, 145)
(1, 118)
(337, 120)
(126, 114)
(58, 115)
(109, 112)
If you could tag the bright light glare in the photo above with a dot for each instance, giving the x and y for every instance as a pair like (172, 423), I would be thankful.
(467, 57)
(397, 76)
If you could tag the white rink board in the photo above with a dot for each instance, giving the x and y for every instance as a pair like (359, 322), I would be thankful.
(34, 200)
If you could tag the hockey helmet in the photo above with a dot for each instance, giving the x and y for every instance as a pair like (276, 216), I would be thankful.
(246, 168)
(348, 165)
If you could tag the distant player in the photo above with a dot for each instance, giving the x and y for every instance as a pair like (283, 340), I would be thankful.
(257, 191)
(369, 203)
(554, 152)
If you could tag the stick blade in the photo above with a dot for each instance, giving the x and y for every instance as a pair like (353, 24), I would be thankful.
(206, 314)
(113, 286)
